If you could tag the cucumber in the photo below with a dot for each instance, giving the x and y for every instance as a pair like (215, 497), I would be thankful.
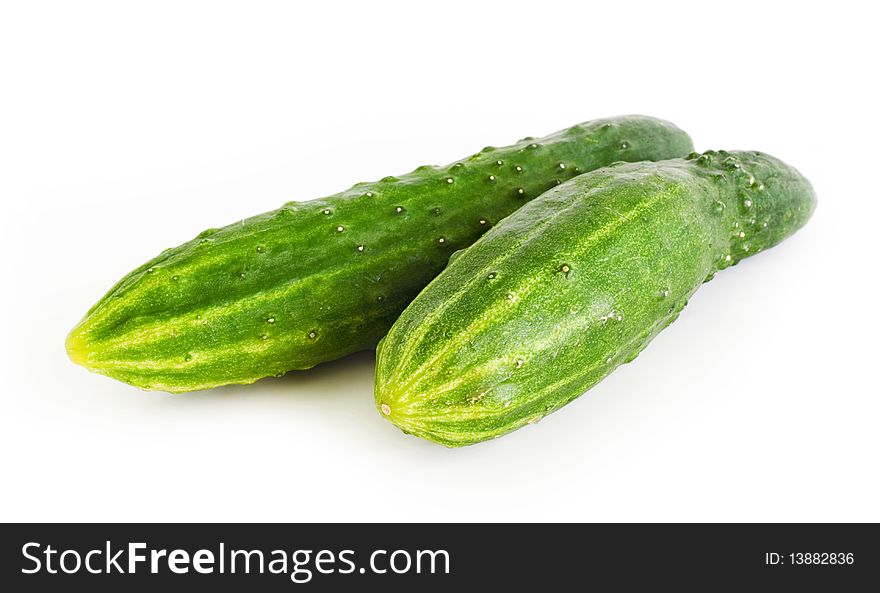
(574, 284)
(314, 281)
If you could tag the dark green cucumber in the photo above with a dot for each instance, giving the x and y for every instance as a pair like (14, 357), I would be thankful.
(314, 281)
(574, 284)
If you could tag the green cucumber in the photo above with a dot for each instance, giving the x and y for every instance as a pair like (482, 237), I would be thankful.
(314, 281)
(574, 284)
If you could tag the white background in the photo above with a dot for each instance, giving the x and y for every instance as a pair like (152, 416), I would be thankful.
(129, 127)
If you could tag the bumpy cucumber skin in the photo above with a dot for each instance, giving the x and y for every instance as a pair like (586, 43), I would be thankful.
(574, 284)
(314, 281)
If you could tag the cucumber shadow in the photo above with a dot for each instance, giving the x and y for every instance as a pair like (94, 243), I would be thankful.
(350, 376)
(333, 399)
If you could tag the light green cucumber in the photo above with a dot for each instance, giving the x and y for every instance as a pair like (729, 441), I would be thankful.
(314, 281)
(573, 285)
